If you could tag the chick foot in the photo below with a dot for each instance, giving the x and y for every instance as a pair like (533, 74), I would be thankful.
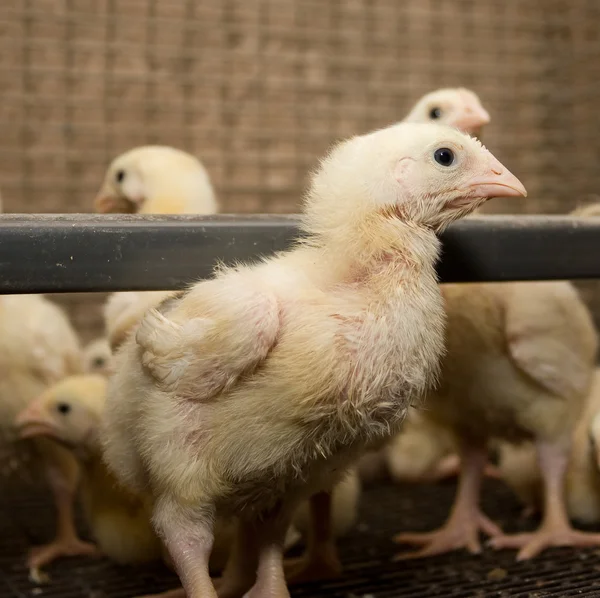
(461, 531)
(318, 566)
(556, 529)
(532, 544)
(466, 520)
(72, 546)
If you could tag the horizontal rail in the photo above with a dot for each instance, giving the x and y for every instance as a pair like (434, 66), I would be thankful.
(75, 253)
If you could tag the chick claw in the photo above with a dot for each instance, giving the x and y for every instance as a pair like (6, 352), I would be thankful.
(456, 534)
(532, 544)
(321, 567)
(43, 555)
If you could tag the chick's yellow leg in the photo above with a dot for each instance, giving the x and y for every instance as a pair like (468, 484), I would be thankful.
(466, 520)
(62, 474)
(321, 560)
(555, 529)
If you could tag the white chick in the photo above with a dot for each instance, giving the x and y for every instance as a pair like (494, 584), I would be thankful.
(97, 357)
(258, 388)
(458, 107)
(38, 346)
(518, 366)
(156, 179)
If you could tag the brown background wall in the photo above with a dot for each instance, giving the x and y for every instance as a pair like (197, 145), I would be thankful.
(259, 88)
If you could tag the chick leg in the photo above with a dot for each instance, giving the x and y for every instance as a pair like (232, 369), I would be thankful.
(270, 579)
(466, 520)
(556, 529)
(188, 536)
(62, 475)
(449, 466)
(321, 560)
(240, 572)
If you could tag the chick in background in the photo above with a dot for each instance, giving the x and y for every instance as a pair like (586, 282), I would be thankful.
(97, 357)
(38, 346)
(519, 363)
(156, 179)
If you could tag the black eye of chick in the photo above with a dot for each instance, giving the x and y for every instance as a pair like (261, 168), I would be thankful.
(98, 362)
(120, 176)
(63, 408)
(435, 113)
(444, 156)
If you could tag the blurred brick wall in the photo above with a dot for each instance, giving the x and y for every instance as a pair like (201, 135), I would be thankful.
(258, 89)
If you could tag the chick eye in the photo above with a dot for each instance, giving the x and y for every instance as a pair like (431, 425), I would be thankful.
(444, 156)
(435, 113)
(98, 362)
(63, 408)
(120, 176)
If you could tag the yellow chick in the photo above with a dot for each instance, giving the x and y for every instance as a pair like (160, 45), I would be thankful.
(303, 359)
(156, 179)
(97, 357)
(518, 367)
(70, 413)
(38, 346)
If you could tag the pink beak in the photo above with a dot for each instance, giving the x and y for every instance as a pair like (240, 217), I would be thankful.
(497, 181)
(472, 119)
(33, 421)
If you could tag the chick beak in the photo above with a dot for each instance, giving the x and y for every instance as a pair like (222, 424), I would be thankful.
(472, 119)
(497, 181)
(33, 421)
(106, 203)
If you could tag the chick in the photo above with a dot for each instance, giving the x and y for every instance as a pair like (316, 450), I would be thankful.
(156, 179)
(258, 388)
(457, 107)
(37, 347)
(70, 412)
(518, 366)
(97, 357)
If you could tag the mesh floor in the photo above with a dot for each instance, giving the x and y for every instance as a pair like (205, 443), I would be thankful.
(366, 553)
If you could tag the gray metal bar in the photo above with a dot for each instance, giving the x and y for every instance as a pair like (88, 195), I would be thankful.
(73, 253)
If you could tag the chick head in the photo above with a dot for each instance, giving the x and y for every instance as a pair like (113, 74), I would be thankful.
(149, 172)
(459, 108)
(97, 357)
(422, 174)
(69, 412)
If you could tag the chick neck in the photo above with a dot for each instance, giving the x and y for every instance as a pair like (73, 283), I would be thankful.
(376, 246)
